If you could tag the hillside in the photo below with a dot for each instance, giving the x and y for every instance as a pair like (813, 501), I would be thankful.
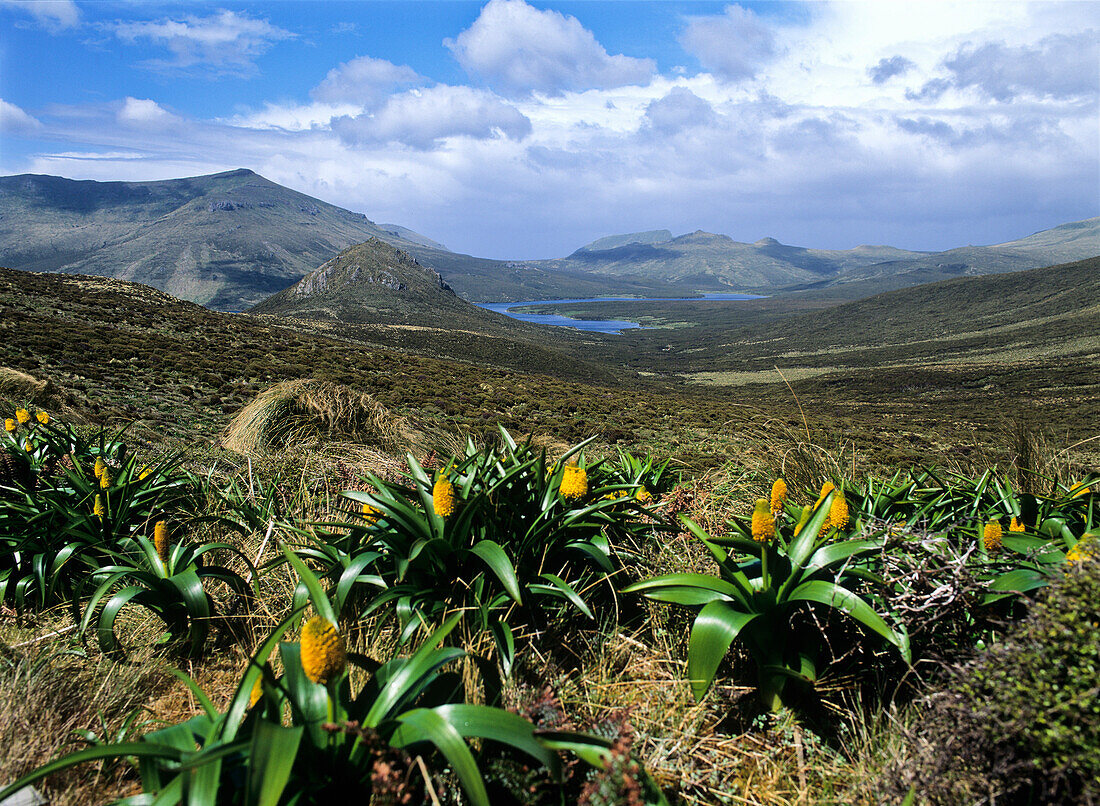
(713, 262)
(1045, 315)
(376, 293)
(229, 240)
(226, 241)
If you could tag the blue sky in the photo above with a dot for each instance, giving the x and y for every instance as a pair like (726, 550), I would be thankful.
(515, 129)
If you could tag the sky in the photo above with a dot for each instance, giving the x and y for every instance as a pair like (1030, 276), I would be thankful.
(511, 129)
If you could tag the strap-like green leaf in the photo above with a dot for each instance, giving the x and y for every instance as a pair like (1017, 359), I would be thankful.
(715, 628)
(270, 761)
(316, 593)
(501, 566)
(833, 595)
(688, 589)
(497, 725)
(122, 750)
(424, 725)
(568, 592)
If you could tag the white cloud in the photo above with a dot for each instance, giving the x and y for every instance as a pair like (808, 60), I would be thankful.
(224, 42)
(421, 118)
(812, 150)
(294, 117)
(734, 44)
(678, 110)
(140, 113)
(364, 80)
(517, 49)
(54, 15)
(1059, 66)
(14, 120)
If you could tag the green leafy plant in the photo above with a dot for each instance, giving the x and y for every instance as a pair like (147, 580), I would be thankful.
(760, 587)
(71, 520)
(509, 551)
(167, 580)
(339, 738)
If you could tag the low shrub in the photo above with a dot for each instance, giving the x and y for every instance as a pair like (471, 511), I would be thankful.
(1020, 723)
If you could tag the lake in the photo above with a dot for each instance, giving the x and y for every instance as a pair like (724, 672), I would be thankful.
(596, 325)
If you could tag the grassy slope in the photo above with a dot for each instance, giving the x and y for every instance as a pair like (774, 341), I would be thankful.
(128, 351)
(132, 352)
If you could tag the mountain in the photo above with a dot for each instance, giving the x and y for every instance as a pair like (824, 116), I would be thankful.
(615, 241)
(230, 240)
(712, 262)
(376, 293)
(374, 282)
(226, 241)
(1069, 242)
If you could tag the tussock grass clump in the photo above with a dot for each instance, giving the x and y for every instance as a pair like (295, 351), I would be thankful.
(17, 385)
(23, 388)
(307, 410)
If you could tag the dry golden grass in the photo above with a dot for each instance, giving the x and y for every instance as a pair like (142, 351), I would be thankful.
(306, 411)
(47, 694)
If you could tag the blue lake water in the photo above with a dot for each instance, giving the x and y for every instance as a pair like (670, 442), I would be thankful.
(597, 325)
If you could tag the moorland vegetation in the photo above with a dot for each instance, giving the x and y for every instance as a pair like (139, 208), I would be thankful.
(251, 560)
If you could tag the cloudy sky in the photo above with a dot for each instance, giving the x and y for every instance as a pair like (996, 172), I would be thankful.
(524, 130)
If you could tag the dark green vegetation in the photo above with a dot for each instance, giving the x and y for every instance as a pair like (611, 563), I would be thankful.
(1023, 718)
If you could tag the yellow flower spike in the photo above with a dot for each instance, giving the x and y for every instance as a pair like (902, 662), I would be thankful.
(144, 474)
(23, 416)
(826, 488)
(763, 524)
(105, 479)
(838, 510)
(99, 466)
(160, 540)
(9, 425)
(779, 496)
(1015, 526)
(992, 535)
(322, 649)
(28, 446)
(372, 514)
(643, 496)
(443, 497)
(803, 519)
(574, 484)
(257, 692)
(42, 417)
(98, 510)
(1084, 489)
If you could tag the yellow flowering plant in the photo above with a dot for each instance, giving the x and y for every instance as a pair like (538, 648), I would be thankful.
(313, 733)
(767, 572)
(501, 543)
(65, 523)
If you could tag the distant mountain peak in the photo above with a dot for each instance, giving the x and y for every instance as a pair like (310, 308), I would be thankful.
(767, 242)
